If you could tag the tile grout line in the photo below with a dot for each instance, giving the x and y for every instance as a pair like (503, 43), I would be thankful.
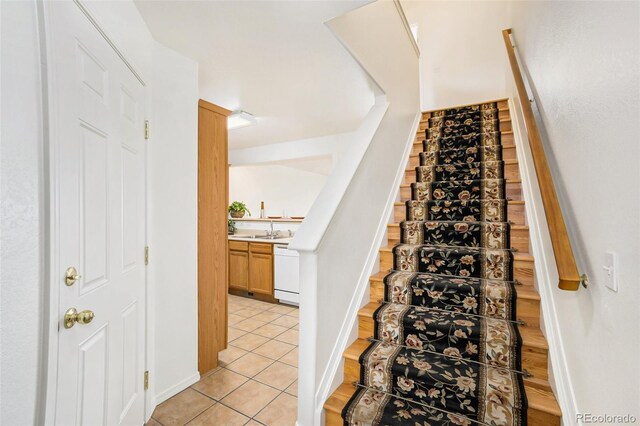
(224, 405)
(274, 361)
(258, 381)
(257, 309)
(262, 409)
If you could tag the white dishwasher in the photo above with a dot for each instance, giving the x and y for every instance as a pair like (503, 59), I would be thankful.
(287, 274)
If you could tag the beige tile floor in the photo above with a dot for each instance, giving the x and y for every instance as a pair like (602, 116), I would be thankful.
(256, 382)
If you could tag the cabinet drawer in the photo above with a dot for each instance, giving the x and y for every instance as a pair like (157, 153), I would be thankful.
(261, 248)
(238, 245)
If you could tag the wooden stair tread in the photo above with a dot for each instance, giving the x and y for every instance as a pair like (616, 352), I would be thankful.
(538, 399)
(339, 398)
(357, 348)
(525, 257)
(514, 202)
(527, 292)
(502, 132)
(408, 185)
(531, 336)
(524, 292)
(542, 400)
(465, 105)
(425, 120)
(504, 146)
(378, 276)
(513, 227)
(506, 162)
(368, 309)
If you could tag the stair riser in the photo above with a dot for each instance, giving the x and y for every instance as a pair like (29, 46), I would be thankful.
(520, 240)
(527, 310)
(519, 237)
(332, 418)
(510, 172)
(503, 113)
(514, 191)
(515, 213)
(509, 152)
(522, 270)
(536, 361)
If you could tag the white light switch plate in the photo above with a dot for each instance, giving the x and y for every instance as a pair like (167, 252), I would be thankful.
(610, 270)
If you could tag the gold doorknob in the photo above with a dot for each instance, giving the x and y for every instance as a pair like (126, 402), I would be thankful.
(71, 276)
(72, 316)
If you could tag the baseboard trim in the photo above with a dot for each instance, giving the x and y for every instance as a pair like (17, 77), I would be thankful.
(333, 367)
(177, 388)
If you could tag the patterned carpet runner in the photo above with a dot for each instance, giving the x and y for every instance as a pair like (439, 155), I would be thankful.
(446, 347)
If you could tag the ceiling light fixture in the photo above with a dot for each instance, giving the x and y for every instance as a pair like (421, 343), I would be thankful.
(239, 119)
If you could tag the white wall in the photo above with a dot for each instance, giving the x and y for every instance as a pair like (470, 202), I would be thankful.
(21, 185)
(583, 60)
(341, 235)
(462, 57)
(280, 187)
(173, 220)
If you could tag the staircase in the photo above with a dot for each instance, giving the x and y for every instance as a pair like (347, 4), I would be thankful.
(451, 334)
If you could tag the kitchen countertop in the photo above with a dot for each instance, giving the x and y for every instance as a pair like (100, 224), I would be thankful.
(260, 240)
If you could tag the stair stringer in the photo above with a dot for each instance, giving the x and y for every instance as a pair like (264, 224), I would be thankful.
(545, 267)
(332, 376)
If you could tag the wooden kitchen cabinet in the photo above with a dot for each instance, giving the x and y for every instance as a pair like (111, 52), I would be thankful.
(261, 273)
(251, 269)
(239, 265)
(239, 269)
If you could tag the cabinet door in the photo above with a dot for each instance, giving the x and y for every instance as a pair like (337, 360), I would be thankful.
(261, 273)
(239, 269)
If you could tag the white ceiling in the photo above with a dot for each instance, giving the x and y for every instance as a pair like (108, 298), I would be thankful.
(273, 59)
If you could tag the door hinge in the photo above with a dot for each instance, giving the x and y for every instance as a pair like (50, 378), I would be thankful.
(146, 129)
(146, 255)
(146, 380)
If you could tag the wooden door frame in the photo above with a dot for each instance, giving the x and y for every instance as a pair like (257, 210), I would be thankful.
(204, 362)
(46, 399)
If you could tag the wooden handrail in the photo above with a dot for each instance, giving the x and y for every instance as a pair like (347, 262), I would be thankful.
(570, 278)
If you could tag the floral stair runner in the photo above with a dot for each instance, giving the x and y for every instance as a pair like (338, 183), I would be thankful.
(446, 348)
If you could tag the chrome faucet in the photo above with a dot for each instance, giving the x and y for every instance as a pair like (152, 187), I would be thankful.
(272, 233)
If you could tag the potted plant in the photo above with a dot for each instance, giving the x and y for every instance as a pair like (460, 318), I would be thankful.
(237, 209)
(232, 226)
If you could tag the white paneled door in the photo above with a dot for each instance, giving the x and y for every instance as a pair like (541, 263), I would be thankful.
(97, 118)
